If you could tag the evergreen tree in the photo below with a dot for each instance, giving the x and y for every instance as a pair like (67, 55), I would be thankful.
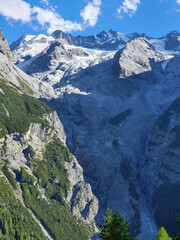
(106, 225)
(114, 227)
(162, 235)
(119, 227)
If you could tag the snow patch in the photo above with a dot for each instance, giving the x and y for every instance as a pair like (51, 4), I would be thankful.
(164, 63)
(69, 89)
(159, 44)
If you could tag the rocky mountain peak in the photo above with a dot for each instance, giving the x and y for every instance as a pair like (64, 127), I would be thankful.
(135, 58)
(172, 40)
(4, 48)
(53, 55)
(17, 43)
(60, 34)
(174, 33)
(105, 40)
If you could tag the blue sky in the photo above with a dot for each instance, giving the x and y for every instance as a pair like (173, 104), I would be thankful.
(85, 17)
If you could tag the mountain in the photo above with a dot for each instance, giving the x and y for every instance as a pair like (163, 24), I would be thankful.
(106, 40)
(43, 191)
(114, 93)
(171, 42)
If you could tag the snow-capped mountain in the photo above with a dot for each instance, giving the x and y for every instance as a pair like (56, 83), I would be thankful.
(112, 92)
(31, 45)
(106, 40)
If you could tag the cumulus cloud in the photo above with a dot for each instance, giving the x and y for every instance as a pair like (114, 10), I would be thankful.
(52, 21)
(90, 14)
(47, 17)
(128, 7)
(15, 10)
(178, 2)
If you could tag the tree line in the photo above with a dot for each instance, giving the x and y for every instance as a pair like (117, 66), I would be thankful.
(115, 227)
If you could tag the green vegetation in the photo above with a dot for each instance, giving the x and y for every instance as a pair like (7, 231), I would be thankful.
(51, 171)
(162, 235)
(25, 86)
(114, 227)
(26, 177)
(18, 111)
(46, 201)
(9, 176)
(51, 208)
(116, 120)
(167, 207)
(15, 220)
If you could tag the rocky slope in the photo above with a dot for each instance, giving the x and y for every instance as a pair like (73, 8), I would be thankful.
(44, 181)
(109, 101)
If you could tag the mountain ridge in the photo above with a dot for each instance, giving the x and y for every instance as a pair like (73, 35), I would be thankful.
(99, 40)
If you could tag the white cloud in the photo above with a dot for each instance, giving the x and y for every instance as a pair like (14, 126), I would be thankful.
(90, 14)
(178, 2)
(47, 17)
(15, 10)
(52, 21)
(128, 7)
(46, 2)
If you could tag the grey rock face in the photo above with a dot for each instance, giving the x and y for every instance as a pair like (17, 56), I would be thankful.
(83, 202)
(137, 57)
(4, 47)
(6, 61)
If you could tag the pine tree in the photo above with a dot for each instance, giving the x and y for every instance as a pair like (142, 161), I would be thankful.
(119, 227)
(106, 225)
(162, 235)
(114, 227)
